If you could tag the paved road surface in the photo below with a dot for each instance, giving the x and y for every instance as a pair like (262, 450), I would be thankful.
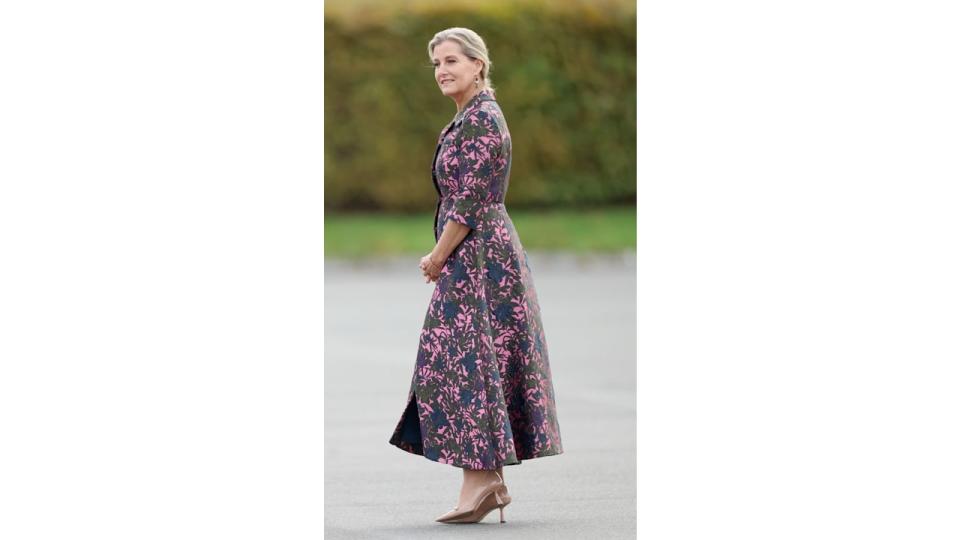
(374, 490)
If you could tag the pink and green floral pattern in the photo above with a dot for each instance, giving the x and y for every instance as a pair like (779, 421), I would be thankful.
(481, 394)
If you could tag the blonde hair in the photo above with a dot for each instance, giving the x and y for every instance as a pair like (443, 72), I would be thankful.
(472, 46)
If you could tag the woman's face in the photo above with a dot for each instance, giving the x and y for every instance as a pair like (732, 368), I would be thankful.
(453, 71)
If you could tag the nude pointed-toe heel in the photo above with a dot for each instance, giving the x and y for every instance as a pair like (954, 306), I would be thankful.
(494, 496)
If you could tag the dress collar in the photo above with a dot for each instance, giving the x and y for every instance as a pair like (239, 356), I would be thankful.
(479, 97)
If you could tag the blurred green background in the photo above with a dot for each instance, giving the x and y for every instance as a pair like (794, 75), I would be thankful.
(565, 76)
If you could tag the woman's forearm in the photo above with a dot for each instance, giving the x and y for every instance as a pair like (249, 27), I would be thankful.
(453, 233)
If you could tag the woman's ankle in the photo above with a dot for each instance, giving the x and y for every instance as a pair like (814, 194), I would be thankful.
(478, 477)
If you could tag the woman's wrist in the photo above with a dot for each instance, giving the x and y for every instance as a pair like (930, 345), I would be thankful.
(437, 258)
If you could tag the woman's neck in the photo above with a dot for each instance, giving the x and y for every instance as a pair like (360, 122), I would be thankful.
(466, 99)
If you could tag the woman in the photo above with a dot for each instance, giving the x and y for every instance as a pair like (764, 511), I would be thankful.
(482, 395)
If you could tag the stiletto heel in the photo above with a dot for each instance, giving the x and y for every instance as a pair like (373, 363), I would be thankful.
(484, 504)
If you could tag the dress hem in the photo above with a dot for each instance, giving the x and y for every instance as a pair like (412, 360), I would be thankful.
(410, 449)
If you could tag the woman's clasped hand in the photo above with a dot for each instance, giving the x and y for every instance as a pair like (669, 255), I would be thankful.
(431, 267)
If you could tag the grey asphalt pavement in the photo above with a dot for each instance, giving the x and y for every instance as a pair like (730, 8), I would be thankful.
(373, 312)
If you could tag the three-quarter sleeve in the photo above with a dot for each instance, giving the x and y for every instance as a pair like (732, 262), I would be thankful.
(479, 149)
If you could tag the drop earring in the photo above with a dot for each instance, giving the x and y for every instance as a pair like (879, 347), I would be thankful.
(476, 82)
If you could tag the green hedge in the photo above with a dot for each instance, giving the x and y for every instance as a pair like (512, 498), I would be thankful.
(565, 79)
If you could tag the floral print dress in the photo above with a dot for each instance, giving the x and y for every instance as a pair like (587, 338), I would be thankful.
(482, 394)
